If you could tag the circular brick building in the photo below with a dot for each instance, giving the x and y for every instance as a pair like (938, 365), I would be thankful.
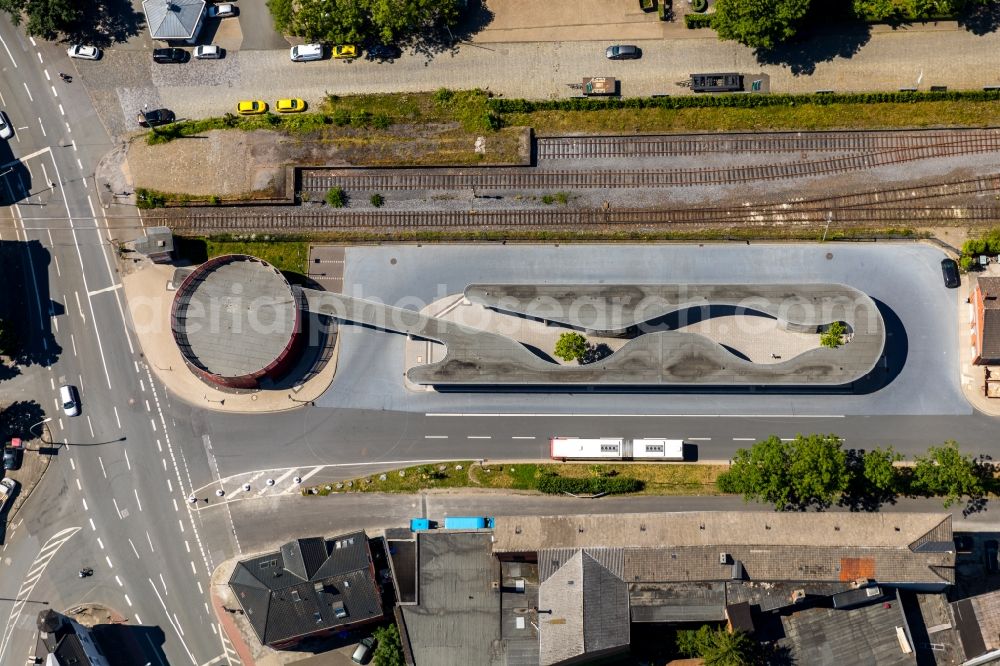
(237, 322)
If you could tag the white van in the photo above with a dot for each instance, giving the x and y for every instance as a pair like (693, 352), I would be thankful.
(305, 52)
(69, 399)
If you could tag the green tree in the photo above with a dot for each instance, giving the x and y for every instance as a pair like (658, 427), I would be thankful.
(361, 21)
(833, 336)
(758, 23)
(389, 651)
(947, 473)
(811, 470)
(45, 18)
(879, 471)
(571, 346)
(719, 647)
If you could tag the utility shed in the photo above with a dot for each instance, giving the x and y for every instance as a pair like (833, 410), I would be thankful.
(157, 244)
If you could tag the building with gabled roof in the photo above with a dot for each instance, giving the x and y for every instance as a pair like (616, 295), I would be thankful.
(310, 587)
(986, 321)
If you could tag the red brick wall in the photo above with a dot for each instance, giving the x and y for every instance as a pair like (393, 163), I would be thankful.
(977, 334)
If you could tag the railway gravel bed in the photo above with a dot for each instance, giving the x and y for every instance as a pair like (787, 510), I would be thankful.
(315, 182)
(604, 147)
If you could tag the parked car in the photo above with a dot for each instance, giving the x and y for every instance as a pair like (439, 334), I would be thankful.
(12, 457)
(950, 271)
(291, 105)
(70, 400)
(6, 129)
(83, 52)
(383, 52)
(345, 51)
(251, 107)
(305, 52)
(155, 117)
(623, 52)
(363, 653)
(990, 550)
(8, 488)
(224, 10)
(172, 55)
(209, 52)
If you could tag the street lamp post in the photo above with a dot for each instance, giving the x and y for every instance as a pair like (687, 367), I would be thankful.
(45, 420)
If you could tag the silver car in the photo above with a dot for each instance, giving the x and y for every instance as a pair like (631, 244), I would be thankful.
(623, 52)
(208, 52)
(222, 11)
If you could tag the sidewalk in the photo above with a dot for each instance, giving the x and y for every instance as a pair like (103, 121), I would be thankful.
(149, 301)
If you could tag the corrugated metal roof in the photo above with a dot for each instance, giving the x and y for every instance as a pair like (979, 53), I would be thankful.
(173, 19)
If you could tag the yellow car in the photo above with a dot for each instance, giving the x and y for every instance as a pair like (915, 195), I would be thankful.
(293, 105)
(345, 51)
(251, 107)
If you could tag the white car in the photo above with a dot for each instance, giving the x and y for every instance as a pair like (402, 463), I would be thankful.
(6, 129)
(222, 11)
(70, 400)
(306, 52)
(83, 52)
(208, 52)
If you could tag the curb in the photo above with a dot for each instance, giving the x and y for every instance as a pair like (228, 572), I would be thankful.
(228, 626)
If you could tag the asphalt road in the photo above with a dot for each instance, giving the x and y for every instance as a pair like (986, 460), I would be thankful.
(113, 498)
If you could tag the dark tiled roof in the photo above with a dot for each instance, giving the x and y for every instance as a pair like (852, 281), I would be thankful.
(677, 602)
(302, 588)
(827, 637)
(456, 621)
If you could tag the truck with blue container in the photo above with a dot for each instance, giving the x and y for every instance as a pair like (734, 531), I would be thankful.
(468, 523)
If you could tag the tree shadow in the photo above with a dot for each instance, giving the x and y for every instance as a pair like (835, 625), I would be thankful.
(596, 353)
(980, 19)
(475, 17)
(815, 45)
(18, 418)
(107, 22)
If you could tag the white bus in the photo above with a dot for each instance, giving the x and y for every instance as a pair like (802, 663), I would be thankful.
(577, 448)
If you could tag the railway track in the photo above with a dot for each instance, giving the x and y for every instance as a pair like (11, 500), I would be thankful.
(223, 222)
(607, 147)
(530, 179)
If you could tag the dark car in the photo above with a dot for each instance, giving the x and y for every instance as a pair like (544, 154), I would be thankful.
(950, 271)
(623, 52)
(383, 52)
(12, 457)
(990, 550)
(155, 117)
(169, 55)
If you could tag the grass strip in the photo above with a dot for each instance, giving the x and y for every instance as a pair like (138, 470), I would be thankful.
(655, 479)
(288, 255)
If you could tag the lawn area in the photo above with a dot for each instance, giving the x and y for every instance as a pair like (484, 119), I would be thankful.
(727, 119)
(662, 479)
(289, 256)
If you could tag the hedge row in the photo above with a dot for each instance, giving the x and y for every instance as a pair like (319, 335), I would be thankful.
(616, 485)
(694, 21)
(503, 105)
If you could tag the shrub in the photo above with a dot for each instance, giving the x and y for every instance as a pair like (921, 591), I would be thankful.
(377, 200)
(443, 95)
(336, 197)
(381, 121)
(571, 346)
(149, 198)
(361, 118)
(695, 21)
(966, 263)
(552, 484)
(833, 336)
(215, 200)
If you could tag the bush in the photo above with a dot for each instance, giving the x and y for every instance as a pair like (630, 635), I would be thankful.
(377, 200)
(503, 105)
(361, 118)
(833, 337)
(146, 199)
(552, 484)
(336, 197)
(966, 263)
(695, 21)
(571, 346)
(381, 121)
